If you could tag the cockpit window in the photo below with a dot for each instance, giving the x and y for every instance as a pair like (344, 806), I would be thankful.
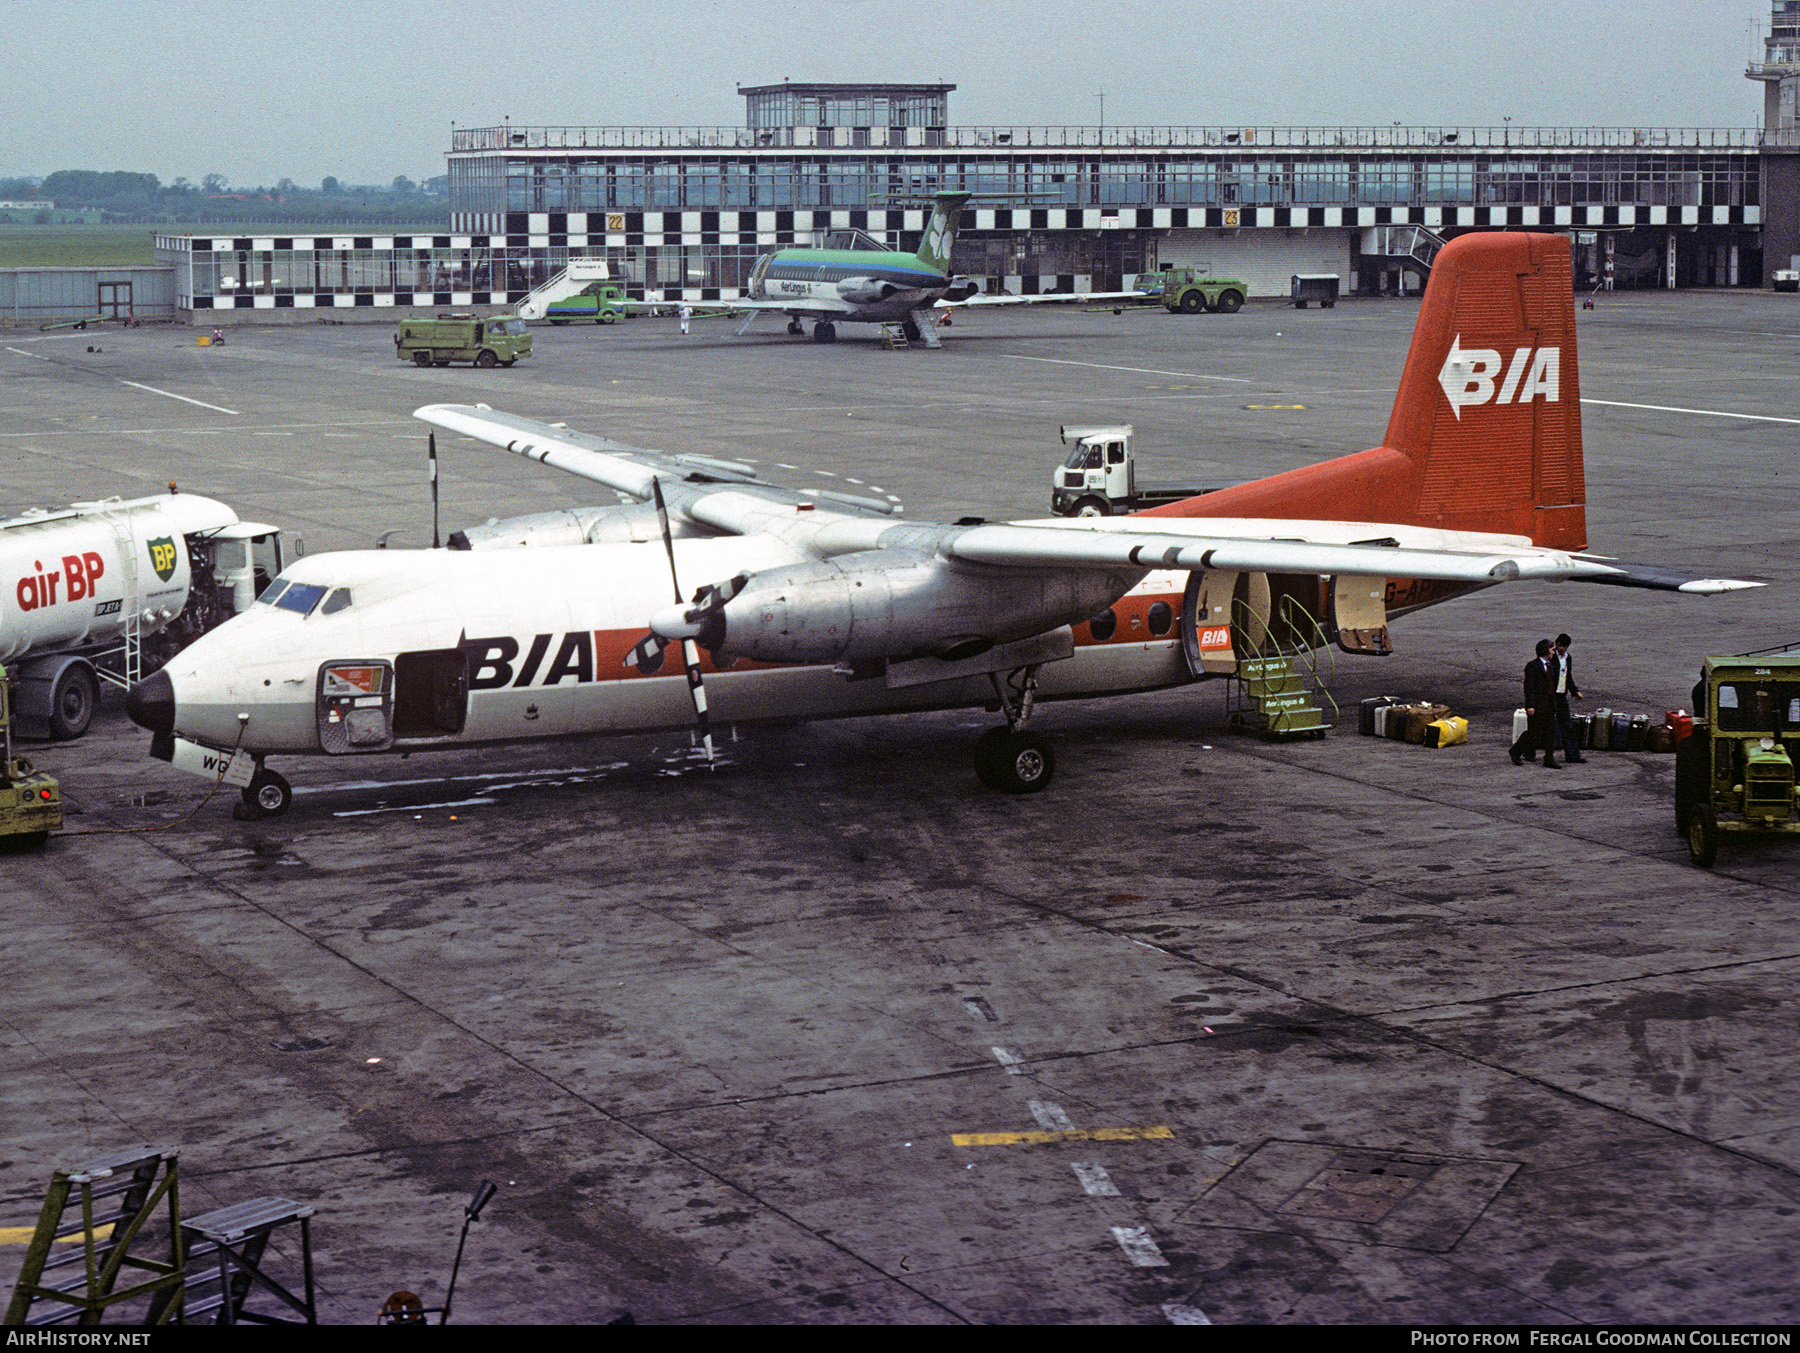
(268, 594)
(299, 597)
(337, 601)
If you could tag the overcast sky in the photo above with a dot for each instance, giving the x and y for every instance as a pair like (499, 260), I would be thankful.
(258, 90)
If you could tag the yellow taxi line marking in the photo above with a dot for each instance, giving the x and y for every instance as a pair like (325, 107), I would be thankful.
(1119, 1134)
(21, 1235)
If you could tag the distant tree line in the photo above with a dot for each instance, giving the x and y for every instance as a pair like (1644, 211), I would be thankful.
(124, 196)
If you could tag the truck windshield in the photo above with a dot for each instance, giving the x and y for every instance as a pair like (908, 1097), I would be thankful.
(1759, 707)
(1083, 458)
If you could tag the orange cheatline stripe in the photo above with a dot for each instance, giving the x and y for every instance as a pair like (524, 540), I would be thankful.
(1126, 1134)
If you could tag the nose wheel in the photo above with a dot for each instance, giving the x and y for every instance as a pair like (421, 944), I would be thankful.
(267, 795)
(1013, 759)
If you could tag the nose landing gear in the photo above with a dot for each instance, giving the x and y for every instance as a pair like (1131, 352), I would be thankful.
(267, 795)
(1012, 759)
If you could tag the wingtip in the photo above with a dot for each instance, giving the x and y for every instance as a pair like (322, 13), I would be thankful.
(1710, 586)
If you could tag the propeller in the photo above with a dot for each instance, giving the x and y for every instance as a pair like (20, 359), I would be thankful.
(703, 621)
(431, 454)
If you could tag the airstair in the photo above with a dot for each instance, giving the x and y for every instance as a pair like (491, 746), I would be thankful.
(1280, 688)
(571, 281)
(1404, 245)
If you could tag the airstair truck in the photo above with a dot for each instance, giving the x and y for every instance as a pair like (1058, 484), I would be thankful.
(1099, 477)
(111, 590)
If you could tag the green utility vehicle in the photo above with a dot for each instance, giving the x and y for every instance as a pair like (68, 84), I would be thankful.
(499, 340)
(1190, 290)
(30, 801)
(602, 302)
(1735, 772)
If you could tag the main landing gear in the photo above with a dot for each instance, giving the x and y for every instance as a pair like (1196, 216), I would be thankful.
(1012, 759)
(824, 332)
(267, 795)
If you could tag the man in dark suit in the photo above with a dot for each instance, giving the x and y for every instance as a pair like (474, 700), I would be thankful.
(1562, 690)
(1540, 710)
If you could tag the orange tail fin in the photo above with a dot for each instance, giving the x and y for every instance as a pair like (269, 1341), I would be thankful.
(1486, 428)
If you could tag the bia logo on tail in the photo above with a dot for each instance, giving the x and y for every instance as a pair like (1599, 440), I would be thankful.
(1472, 376)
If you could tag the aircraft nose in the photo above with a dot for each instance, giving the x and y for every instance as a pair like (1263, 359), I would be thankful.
(151, 704)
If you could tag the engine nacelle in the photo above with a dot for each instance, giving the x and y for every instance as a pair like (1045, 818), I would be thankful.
(962, 289)
(904, 602)
(609, 525)
(866, 290)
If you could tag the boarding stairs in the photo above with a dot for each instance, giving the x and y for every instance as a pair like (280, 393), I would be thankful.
(571, 281)
(1407, 245)
(1279, 688)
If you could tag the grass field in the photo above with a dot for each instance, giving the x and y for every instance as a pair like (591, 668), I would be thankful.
(71, 245)
(89, 246)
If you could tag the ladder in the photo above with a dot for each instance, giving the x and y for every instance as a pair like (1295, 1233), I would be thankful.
(225, 1263)
(99, 1210)
(1279, 688)
(894, 335)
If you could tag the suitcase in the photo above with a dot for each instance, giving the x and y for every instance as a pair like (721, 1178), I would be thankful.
(1382, 714)
(1620, 739)
(1680, 721)
(1366, 724)
(1601, 730)
(1521, 721)
(1583, 727)
(1662, 738)
(1396, 721)
(1638, 735)
(1419, 718)
(1449, 731)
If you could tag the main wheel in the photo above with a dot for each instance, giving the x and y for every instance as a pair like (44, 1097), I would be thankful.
(73, 702)
(267, 795)
(1230, 302)
(796, 327)
(1193, 303)
(1015, 763)
(485, 358)
(421, 359)
(1703, 835)
(824, 332)
(1092, 507)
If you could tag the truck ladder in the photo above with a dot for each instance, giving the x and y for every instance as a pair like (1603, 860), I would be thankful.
(99, 1210)
(130, 650)
(1279, 687)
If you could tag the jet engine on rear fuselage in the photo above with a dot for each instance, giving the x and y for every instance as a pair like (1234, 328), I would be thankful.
(962, 289)
(867, 290)
(901, 602)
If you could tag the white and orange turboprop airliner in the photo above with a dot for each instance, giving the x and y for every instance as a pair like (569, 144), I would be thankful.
(785, 605)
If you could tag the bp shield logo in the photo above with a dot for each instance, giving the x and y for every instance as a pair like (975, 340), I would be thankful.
(162, 557)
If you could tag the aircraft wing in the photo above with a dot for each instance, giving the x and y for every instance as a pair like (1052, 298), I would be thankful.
(1045, 299)
(728, 496)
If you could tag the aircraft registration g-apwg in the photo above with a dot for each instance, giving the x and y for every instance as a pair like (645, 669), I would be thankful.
(786, 605)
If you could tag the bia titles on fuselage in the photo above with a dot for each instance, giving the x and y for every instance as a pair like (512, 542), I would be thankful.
(720, 596)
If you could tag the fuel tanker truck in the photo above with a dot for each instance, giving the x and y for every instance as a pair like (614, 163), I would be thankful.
(111, 590)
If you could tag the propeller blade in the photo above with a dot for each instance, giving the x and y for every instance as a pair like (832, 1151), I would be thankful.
(647, 655)
(690, 652)
(431, 454)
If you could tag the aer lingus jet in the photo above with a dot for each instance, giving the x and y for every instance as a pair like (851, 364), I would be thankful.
(855, 279)
(785, 604)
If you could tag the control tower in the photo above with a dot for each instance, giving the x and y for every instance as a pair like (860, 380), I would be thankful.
(1779, 71)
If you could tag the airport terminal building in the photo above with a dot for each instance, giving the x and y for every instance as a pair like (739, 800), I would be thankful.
(684, 212)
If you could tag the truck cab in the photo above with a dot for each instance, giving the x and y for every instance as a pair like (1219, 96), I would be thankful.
(1735, 771)
(1096, 479)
